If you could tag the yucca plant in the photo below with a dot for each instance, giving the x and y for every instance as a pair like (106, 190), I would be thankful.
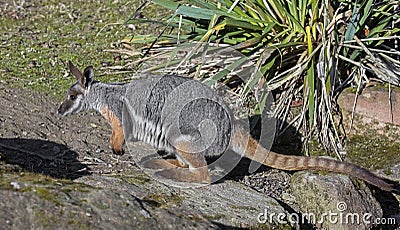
(305, 50)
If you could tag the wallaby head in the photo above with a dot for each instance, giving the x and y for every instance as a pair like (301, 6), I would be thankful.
(74, 101)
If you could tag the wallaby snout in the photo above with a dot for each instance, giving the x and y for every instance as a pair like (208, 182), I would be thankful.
(74, 101)
(60, 110)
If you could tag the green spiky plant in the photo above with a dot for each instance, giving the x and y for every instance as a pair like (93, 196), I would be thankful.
(306, 50)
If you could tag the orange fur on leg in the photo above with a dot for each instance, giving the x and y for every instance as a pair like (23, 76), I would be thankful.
(117, 139)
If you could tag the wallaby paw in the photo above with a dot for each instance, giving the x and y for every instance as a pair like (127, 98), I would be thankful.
(162, 164)
(158, 164)
(185, 175)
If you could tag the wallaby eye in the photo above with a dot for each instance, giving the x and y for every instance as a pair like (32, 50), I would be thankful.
(72, 97)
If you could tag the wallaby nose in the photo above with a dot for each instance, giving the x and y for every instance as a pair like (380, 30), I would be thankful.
(59, 110)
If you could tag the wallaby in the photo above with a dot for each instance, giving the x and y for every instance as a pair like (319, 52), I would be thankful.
(145, 101)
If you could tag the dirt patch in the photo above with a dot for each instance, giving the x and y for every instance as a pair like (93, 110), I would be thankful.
(34, 137)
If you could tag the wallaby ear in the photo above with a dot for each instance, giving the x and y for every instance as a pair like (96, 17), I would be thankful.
(89, 76)
(76, 72)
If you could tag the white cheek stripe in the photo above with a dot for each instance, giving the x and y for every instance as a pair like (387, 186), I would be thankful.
(75, 106)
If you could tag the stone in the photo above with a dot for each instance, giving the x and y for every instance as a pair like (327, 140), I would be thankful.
(374, 103)
(333, 202)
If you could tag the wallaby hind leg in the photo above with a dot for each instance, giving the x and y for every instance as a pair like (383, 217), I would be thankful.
(164, 164)
(196, 173)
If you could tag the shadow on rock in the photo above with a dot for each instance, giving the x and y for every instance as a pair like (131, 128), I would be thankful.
(390, 207)
(40, 156)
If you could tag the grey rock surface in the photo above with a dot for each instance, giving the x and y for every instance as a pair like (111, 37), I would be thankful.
(334, 202)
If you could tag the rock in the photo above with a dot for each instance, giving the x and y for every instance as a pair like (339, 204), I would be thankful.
(134, 201)
(227, 204)
(374, 103)
(274, 183)
(233, 204)
(67, 205)
(333, 202)
(372, 133)
(394, 173)
(373, 114)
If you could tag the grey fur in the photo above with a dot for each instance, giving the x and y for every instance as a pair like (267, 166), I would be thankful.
(110, 95)
(165, 112)
(170, 111)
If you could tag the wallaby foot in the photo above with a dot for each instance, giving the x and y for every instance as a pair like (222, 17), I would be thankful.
(196, 172)
(163, 164)
(198, 175)
(117, 142)
(118, 151)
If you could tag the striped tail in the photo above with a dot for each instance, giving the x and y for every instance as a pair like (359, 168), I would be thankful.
(244, 144)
